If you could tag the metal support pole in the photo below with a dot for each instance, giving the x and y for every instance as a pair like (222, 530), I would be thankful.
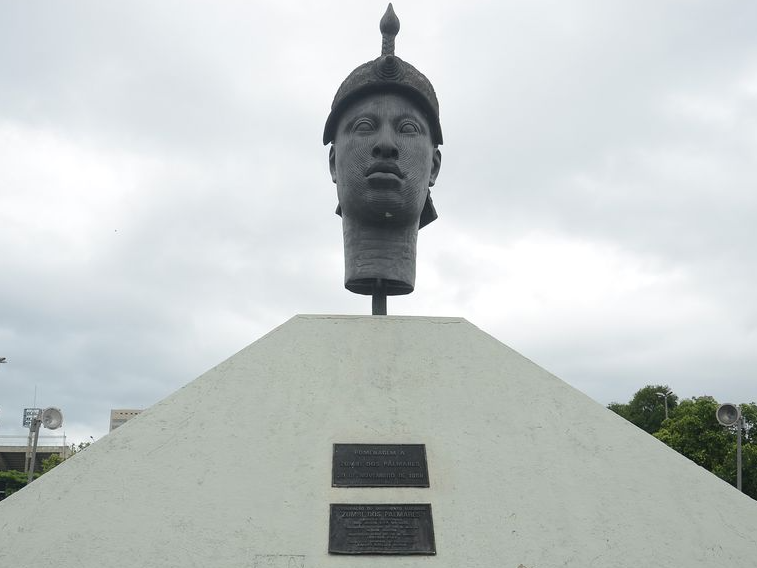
(740, 425)
(36, 422)
(28, 453)
(379, 298)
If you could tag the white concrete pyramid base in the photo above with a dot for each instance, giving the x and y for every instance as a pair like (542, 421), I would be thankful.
(234, 470)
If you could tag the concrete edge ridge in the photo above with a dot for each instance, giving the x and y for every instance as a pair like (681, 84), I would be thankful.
(431, 319)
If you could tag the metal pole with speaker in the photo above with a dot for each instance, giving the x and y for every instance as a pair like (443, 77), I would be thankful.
(729, 414)
(50, 418)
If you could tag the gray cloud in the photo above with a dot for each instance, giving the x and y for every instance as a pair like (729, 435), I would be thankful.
(166, 198)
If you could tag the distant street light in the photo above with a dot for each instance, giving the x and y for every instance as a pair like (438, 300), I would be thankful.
(665, 395)
(729, 414)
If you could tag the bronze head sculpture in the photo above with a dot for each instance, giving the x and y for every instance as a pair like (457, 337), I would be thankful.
(385, 132)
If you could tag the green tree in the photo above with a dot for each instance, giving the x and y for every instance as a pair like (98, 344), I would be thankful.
(695, 432)
(11, 481)
(50, 462)
(55, 459)
(76, 448)
(727, 469)
(619, 408)
(749, 412)
(647, 408)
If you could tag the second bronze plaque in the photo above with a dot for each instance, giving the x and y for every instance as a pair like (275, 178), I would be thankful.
(379, 465)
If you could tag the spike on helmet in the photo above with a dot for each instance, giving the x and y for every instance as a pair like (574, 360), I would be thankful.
(387, 73)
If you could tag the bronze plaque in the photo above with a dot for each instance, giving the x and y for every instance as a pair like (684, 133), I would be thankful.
(379, 465)
(381, 529)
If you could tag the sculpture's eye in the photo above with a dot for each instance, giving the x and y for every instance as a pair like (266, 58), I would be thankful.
(363, 125)
(408, 127)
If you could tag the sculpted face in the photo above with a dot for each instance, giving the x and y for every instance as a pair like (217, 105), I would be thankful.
(383, 160)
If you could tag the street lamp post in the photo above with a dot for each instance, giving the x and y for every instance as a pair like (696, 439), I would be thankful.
(665, 394)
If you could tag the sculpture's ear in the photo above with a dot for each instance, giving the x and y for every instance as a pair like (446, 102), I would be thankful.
(429, 212)
(332, 163)
(436, 164)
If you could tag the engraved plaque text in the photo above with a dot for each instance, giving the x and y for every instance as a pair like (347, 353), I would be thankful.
(381, 529)
(379, 465)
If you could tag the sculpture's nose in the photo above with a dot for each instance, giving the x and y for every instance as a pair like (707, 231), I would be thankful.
(385, 147)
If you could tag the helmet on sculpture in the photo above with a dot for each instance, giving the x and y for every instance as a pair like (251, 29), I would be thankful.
(387, 73)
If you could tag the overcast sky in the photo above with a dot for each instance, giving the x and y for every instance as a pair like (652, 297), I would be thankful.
(165, 197)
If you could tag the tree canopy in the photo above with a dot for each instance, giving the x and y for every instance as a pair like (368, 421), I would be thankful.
(10, 482)
(692, 430)
(647, 407)
(695, 432)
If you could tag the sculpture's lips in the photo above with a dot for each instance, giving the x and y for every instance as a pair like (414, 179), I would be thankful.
(384, 168)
